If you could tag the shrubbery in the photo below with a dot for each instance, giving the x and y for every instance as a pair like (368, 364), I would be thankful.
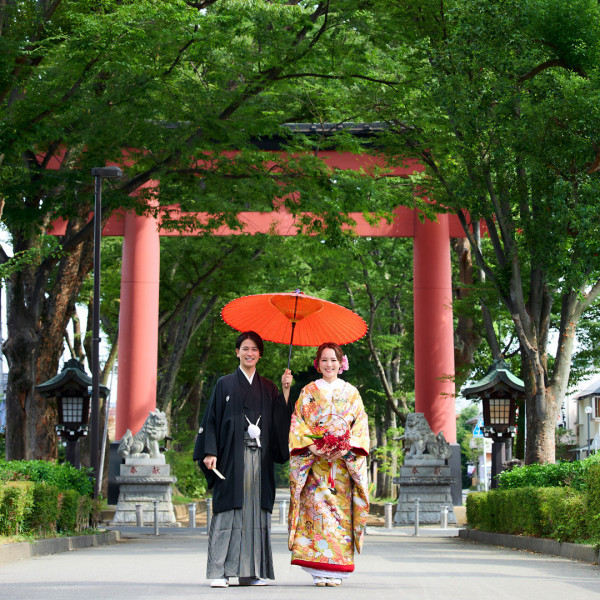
(561, 474)
(190, 480)
(593, 501)
(536, 501)
(41, 498)
(63, 476)
(16, 500)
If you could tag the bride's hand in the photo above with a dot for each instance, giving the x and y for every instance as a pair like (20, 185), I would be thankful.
(313, 448)
(327, 456)
(335, 455)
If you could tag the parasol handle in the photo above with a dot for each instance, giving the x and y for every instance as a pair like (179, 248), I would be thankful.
(291, 340)
(293, 327)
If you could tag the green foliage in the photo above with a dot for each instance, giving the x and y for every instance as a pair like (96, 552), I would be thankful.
(16, 502)
(593, 499)
(69, 508)
(557, 513)
(43, 517)
(282, 475)
(63, 476)
(190, 480)
(32, 257)
(564, 515)
(28, 507)
(82, 82)
(391, 454)
(558, 501)
(561, 474)
(72, 507)
(500, 110)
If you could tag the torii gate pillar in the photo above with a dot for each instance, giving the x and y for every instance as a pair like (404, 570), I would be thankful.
(434, 330)
(138, 323)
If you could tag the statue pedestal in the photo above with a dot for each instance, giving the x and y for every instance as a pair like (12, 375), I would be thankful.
(428, 480)
(144, 481)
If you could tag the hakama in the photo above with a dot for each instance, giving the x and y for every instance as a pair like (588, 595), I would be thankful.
(240, 539)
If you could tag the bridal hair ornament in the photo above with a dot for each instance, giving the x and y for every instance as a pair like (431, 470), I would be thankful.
(344, 366)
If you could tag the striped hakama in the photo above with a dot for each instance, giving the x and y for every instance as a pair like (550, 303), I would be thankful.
(240, 539)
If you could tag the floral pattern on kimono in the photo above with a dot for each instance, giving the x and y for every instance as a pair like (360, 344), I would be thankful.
(326, 523)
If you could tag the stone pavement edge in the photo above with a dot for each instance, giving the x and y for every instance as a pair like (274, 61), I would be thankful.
(394, 565)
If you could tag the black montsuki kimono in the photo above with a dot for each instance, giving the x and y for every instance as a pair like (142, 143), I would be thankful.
(221, 434)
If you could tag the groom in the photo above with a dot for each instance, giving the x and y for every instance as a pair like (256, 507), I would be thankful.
(244, 431)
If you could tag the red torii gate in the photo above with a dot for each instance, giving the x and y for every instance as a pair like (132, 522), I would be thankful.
(434, 333)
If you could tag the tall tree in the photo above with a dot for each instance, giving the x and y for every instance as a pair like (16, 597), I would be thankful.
(501, 111)
(154, 85)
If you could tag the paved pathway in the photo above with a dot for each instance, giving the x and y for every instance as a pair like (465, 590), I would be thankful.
(394, 565)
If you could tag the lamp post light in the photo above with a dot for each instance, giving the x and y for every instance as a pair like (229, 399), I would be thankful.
(588, 412)
(71, 390)
(73, 416)
(498, 391)
(99, 173)
(499, 415)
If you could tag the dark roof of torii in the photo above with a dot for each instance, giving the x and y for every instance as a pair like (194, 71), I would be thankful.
(73, 372)
(497, 374)
(350, 127)
(323, 130)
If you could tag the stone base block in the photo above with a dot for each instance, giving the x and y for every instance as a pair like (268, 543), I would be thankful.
(431, 485)
(145, 490)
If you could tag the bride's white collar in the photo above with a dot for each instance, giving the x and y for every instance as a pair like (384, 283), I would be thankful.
(324, 385)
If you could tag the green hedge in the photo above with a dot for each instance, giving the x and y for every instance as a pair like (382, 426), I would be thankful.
(63, 476)
(552, 512)
(43, 516)
(40, 509)
(593, 500)
(564, 515)
(75, 511)
(559, 501)
(42, 497)
(561, 474)
(16, 501)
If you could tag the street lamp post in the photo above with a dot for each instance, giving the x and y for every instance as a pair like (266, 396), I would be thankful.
(588, 412)
(99, 173)
(498, 391)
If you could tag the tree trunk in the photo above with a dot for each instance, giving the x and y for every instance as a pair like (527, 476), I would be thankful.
(542, 414)
(380, 481)
(544, 395)
(19, 350)
(38, 310)
(194, 399)
(466, 338)
(176, 334)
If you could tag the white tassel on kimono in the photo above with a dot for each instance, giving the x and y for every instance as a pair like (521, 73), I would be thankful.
(254, 431)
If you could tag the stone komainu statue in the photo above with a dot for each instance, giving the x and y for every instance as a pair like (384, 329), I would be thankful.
(423, 442)
(154, 429)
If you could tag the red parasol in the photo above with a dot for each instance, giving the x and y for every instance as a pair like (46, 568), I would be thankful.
(295, 319)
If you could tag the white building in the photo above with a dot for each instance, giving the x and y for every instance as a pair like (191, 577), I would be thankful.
(584, 411)
(483, 445)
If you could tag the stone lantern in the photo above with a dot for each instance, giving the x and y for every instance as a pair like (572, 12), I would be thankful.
(71, 388)
(498, 390)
